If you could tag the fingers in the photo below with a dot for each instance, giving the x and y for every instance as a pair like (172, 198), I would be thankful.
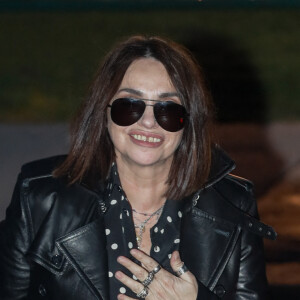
(153, 281)
(178, 266)
(134, 285)
(148, 263)
(139, 272)
(175, 261)
(124, 297)
(145, 273)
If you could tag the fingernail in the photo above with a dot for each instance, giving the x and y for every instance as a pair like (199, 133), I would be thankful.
(118, 275)
(120, 259)
(176, 255)
(120, 297)
(133, 252)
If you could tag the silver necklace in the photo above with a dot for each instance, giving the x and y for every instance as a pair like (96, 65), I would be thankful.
(142, 225)
(141, 213)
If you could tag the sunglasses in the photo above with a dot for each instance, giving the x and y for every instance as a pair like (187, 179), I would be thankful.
(169, 115)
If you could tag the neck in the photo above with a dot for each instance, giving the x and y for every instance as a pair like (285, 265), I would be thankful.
(144, 186)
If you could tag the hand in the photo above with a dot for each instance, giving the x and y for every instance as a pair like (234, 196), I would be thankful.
(165, 286)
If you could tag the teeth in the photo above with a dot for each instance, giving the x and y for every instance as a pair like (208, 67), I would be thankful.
(144, 138)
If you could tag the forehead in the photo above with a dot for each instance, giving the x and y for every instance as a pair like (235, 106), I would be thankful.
(147, 73)
(144, 62)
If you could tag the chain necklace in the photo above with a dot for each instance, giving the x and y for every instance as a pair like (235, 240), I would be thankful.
(142, 225)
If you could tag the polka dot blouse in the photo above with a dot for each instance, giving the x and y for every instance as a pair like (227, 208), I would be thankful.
(121, 237)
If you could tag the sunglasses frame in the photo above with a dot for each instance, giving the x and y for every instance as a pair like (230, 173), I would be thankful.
(157, 118)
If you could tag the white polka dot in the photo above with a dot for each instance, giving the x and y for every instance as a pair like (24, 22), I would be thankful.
(177, 241)
(179, 214)
(122, 198)
(134, 277)
(121, 216)
(169, 255)
(156, 249)
(107, 231)
(114, 246)
(127, 212)
(162, 231)
(110, 274)
(113, 202)
(115, 173)
(122, 290)
(169, 219)
(130, 245)
(123, 229)
(155, 229)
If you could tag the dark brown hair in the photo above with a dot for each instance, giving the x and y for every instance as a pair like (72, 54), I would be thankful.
(92, 152)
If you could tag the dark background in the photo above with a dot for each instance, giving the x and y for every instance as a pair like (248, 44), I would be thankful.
(249, 51)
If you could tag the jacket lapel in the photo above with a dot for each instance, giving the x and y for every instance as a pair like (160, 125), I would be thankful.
(207, 240)
(85, 249)
(206, 245)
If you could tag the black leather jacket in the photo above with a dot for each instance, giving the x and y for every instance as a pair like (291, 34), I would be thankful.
(52, 243)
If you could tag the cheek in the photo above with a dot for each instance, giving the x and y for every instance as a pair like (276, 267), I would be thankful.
(179, 138)
(109, 128)
(117, 134)
(175, 140)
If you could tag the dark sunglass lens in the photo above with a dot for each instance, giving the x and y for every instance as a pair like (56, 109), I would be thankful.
(125, 111)
(170, 116)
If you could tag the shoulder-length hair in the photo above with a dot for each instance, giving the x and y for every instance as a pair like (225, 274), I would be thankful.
(92, 151)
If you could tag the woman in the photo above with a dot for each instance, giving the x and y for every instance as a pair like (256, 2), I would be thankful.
(141, 191)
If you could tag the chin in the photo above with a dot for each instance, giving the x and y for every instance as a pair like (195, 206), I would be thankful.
(145, 160)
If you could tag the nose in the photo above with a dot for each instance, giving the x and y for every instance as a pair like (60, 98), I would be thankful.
(148, 120)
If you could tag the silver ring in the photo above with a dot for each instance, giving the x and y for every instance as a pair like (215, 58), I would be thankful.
(149, 279)
(181, 270)
(143, 293)
(156, 269)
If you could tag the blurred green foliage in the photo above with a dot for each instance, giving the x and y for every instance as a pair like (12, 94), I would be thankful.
(48, 59)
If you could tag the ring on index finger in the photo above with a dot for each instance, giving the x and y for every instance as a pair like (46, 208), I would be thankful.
(181, 270)
(143, 293)
(149, 279)
(156, 269)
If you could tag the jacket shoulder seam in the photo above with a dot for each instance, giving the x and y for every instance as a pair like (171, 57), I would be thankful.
(243, 182)
(27, 180)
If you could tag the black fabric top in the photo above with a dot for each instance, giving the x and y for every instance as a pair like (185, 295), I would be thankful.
(121, 237)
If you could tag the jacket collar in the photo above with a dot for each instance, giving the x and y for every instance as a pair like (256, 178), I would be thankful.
(221, 165)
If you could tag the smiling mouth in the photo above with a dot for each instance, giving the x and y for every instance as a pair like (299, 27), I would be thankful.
(145, 139)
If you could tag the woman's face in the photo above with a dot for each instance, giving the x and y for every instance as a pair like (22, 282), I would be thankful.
(145, 143)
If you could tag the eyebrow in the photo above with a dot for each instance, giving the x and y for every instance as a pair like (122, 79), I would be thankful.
(140, 94)
(168, 95)
(131, 91)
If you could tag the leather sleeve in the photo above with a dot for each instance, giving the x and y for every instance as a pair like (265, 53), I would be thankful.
(204, 293)
(14, 242)
(252, 281)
